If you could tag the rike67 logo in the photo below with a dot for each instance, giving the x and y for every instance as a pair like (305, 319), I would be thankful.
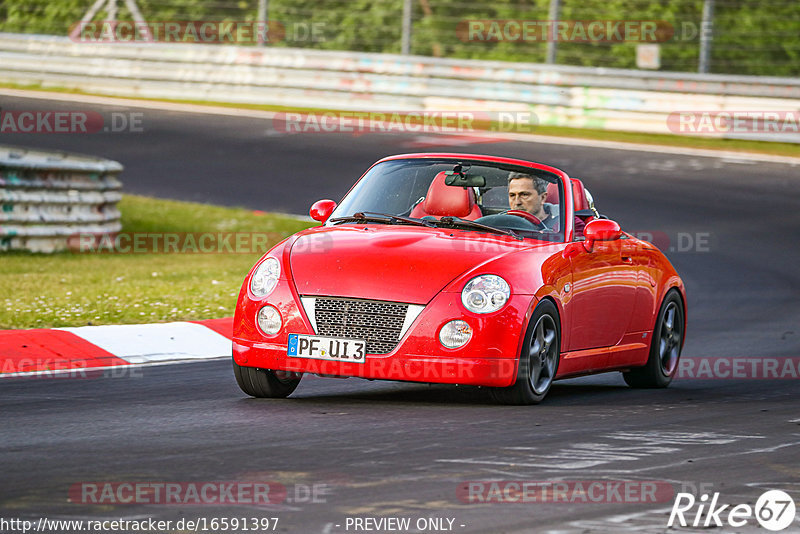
(774, 510)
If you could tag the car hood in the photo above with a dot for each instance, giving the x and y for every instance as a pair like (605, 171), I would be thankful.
(394, 263)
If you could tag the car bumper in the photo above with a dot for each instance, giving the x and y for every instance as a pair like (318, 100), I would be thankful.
(488, 359)
(403, 367)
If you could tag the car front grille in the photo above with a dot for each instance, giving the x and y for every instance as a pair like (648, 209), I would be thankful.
(378, 322)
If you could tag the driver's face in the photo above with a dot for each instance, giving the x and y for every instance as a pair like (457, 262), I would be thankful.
(522, 195)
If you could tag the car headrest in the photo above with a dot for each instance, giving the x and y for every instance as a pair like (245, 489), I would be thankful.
(444, 200)
(578, 194)
(552, 193)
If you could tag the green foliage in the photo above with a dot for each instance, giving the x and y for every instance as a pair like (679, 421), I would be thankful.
(759, 37)
(40, 16)
(364, 25)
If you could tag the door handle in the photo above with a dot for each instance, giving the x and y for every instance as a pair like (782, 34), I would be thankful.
(627, 259)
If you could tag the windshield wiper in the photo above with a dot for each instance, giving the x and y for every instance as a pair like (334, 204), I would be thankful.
(372, 216)
(456, 221)
(452, 222)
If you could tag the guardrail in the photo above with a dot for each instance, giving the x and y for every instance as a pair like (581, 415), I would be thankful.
(48, 198)
(612, 99)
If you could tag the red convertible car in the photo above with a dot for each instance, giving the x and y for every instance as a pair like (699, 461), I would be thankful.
(459, 269)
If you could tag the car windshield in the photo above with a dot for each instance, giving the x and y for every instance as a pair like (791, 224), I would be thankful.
(463, 194)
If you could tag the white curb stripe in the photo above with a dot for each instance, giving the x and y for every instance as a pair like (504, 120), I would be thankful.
(159, 342)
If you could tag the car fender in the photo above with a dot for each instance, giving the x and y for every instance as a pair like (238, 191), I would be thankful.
(669, 280)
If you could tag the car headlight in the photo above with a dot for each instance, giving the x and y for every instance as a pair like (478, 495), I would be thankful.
(269, 320)
(265, 278)
(455, 334)
(485, 294)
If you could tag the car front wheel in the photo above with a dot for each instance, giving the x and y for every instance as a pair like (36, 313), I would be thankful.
(538, 361)
(264, 383)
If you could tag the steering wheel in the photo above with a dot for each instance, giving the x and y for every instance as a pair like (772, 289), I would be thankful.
(528, 217)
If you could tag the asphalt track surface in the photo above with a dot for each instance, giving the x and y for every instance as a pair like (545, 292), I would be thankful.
(385, 449)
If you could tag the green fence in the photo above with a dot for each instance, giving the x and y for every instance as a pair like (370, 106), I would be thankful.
(745, 36)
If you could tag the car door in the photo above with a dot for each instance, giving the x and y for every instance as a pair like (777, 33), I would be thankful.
(604, 285)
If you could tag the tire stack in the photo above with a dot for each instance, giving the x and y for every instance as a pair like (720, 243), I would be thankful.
(49, 199)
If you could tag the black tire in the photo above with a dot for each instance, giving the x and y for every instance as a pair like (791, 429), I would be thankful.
(538, 359)
(665, 347)
(264, 383)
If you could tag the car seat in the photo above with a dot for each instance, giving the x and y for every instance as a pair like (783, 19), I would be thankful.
(447, 201)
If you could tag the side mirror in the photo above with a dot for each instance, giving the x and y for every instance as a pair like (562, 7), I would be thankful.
(321, 210)
(600, 230)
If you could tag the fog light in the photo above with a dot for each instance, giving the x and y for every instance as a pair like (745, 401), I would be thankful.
(269, 320)
(455, 334)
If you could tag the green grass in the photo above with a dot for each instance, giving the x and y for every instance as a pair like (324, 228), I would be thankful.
(78, 289)
(685, 141)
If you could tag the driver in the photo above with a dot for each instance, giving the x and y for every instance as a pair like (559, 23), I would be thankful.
(528, 193)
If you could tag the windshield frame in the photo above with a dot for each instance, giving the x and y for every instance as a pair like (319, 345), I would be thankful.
(566, 208)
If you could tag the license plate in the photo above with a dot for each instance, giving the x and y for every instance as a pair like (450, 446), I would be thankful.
(327, 348)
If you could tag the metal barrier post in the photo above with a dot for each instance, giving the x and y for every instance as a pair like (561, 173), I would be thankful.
(405, 46)
(706, 36)
(552, 34)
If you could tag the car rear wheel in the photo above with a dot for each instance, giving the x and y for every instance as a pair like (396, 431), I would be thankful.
(264, 383)
(665, 347)
(538, 362)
